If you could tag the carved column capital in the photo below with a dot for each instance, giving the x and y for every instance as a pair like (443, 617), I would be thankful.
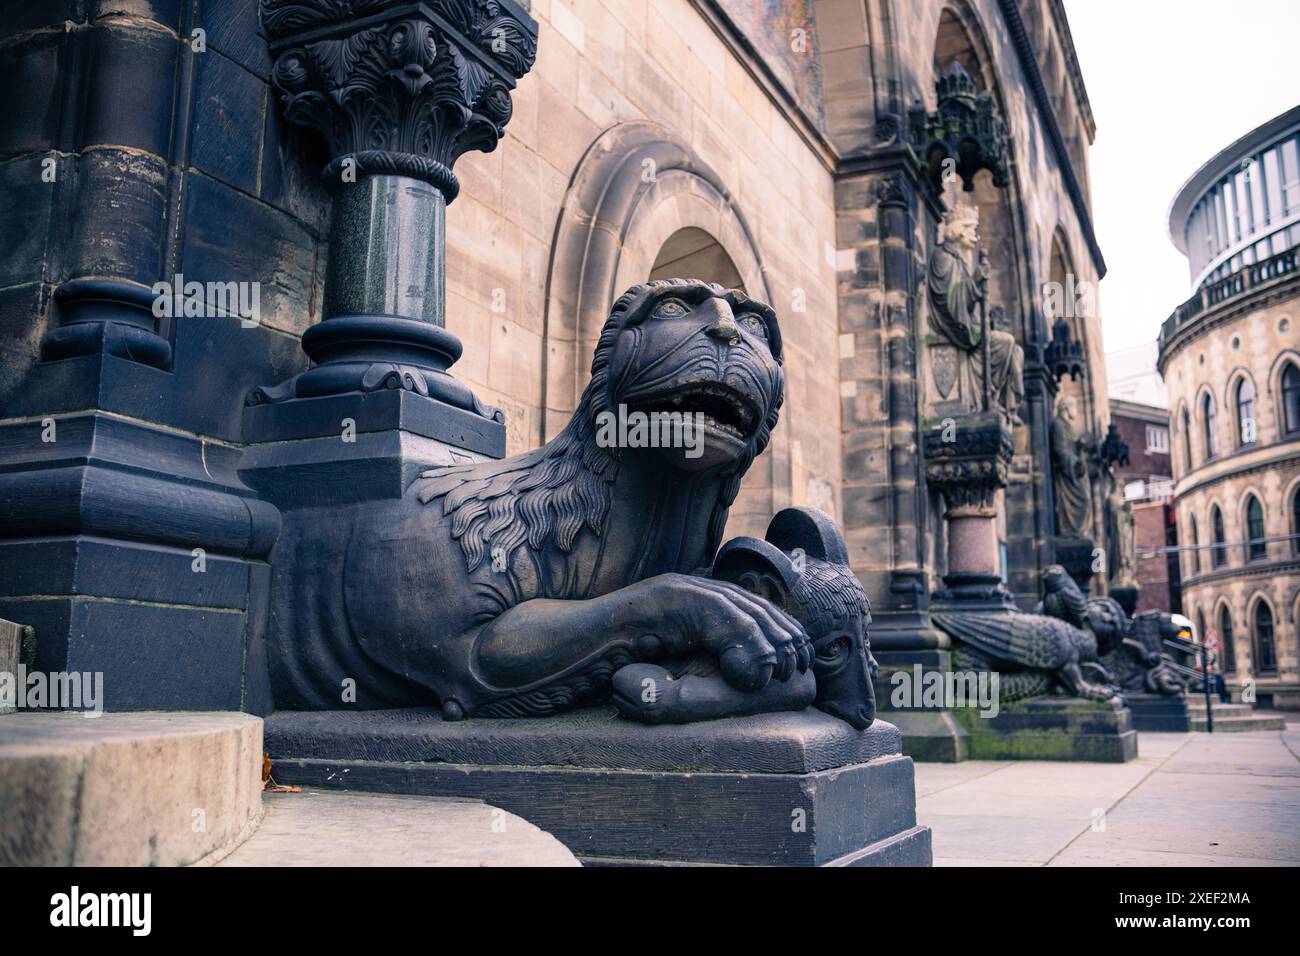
(399, 88)
(966, 460)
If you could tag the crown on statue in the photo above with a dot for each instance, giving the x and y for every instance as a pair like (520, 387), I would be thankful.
(961, 215)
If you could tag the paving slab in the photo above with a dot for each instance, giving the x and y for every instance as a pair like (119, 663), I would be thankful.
(1190, 799)
(318, 828)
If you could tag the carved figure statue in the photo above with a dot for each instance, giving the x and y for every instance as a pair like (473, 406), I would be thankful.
(1057, 650)
(1139, 663)
(1121, 533)
(802, 566)
(956, 297)
(1070, 473)
(523, 586)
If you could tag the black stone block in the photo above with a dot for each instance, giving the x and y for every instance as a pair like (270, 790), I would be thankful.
(789, 789)
(232, 29)
(1159, 712)
(226, 141)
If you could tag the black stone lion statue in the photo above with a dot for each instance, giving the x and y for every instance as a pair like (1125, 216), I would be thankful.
(524, 586)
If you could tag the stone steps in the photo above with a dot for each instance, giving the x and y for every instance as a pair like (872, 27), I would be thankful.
(1237, 724)
(127, 789)
(1227, 710)
(175, 789)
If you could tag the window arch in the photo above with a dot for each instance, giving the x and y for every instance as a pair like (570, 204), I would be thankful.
(1187, 438)
(1256, 546)
(1295, 520)
(1208, 423)
(1196, 549)
(1263, 639)
(1290, 417)
(1226, 638)
(1219, 553)
(1247, 426)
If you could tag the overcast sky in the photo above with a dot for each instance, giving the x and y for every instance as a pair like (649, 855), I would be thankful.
(1171, 82)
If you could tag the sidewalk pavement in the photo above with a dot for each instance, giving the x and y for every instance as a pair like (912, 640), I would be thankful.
(1190, 799)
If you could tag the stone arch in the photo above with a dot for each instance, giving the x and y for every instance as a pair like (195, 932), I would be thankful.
(636, 186)
(1287, 358)
(1253, 604)
(1007, 233)
(1060, 269)
(1194, 557)
(1203, 426)
(690, 252)
(1219, 535)
(1291, 516)
(1183, 421)
(1235, 378)
(1227, 636)
(1250, 493)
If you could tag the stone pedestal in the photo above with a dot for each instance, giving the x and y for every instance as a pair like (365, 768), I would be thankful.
(1159, 712)
(1075, 554)
(1052, 728)
(799, 789)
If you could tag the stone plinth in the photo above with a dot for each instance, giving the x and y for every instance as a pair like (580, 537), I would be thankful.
(1159, 712)
(1063, 728)
(784, 789)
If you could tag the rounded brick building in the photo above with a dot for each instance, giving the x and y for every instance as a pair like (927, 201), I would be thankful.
(1230, 356)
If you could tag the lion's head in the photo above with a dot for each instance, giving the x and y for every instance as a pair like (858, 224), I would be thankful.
(682, 347)
(668, 346)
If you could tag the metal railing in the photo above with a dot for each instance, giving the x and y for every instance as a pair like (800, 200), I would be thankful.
(1240, 282)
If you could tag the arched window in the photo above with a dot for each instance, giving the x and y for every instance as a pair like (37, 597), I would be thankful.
(1225, 635)
(1187, 438)
(1256, 546)
(1295, 521)
(1196, 547)
(1246, 425)
(1265, 650)
(1207, 419)
(1290, 399)
(1219, 553)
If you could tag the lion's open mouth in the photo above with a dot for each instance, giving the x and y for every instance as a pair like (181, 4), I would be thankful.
(724, 409)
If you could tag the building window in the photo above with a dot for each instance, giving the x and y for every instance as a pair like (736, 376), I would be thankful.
(1157, 440)
(1207, 418)
(1246, 412)
(1196, 547)
(1295, 521)
(1219, 552)
(1256, 546)
(1187, 438)
(1225, 635)
(1291, 398)
(1265, 650)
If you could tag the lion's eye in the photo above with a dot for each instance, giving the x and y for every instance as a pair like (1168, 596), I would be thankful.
(754, 325)
(671, 308)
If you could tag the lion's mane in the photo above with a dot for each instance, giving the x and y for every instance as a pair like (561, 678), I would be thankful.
(552, 494)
